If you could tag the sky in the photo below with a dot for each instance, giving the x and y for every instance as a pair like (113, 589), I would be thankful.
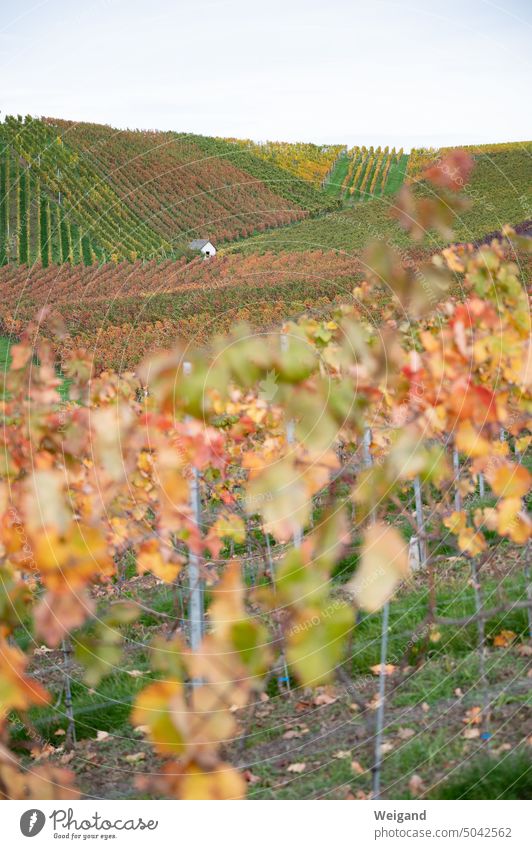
(386, 72)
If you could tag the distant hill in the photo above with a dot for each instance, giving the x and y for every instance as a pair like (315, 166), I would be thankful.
(129, 194)
(88, 193)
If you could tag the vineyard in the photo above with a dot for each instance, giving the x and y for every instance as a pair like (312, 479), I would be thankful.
(34, 225)
(421, 158)
(291, 563)
(119, 311)
(310, 162)
(363, 173)
(180, 184)
(498, 193)
(85, 192)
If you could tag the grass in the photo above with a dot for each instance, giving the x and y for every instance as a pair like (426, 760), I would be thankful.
(396, 175)
(491, 778)
(337, 175)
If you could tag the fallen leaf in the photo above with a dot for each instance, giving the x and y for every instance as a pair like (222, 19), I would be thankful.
(135, 673)
(42, 650)
(415, 785)
(296, 768)
(425, 707)
(473, 716)
(386, 747)
(389, 669)
(506, 747)
(471, 733)
(292, 734)
(405, 733)
(504, 638)
(250, 778)
(137, 756)
(102, 735)
(60, 732)
(343, 753)
(357, 768)
(323, 699)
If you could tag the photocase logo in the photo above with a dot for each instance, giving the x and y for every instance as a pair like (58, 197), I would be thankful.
(32, 822)
(268, 387)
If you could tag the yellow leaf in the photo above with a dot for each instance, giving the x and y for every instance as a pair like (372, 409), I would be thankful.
(509, 480)
(151, 559)
(383, 565)
(161, 707)
(512, 521)
(17, 692)
(470, 442)
(224, 783)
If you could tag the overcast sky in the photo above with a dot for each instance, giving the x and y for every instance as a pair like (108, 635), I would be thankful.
(343, 71)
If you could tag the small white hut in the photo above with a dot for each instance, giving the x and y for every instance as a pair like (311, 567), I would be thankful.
(203, 246)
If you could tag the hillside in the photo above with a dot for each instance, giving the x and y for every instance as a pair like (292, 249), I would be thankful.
(499, 192)
(85, 193)
(132, 194)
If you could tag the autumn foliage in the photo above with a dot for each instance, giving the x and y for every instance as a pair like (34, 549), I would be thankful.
(267, 423)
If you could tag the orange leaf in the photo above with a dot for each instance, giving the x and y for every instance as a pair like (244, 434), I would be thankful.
(509, 480)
